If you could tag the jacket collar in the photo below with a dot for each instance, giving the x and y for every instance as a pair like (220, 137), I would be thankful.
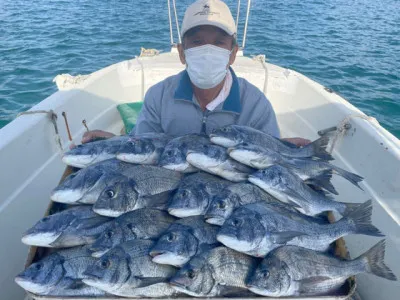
(232, 103)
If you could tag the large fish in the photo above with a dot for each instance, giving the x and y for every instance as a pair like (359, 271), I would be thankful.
(87, 154)
(59, 274)
(174, 154)
(296, 271)
(256, 229)
(85, 186)
(145, 223)
(143, 149)
(194, 194)
(281, 183)
(146, 186)
(75, 226)
(232, 135)
(226, 201)
(217, 272)
(128, 267)
(215, 160)
(183, 240)
(261, 158)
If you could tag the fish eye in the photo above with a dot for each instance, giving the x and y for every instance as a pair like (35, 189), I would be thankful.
(109, 233)
(245, 144)
(191, 273)
(130, 226)
(224, 129)
(169, 153)
(184, 193)
(236, 222)
(221, 204)
(38, 267)
(105, 263)
(110, 193)
(45, 219)
(265, 274)
(170, 237)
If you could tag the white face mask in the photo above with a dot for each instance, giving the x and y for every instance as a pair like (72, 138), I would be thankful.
(207, 65)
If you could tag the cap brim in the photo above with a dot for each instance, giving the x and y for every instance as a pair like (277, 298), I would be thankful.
(211, 23)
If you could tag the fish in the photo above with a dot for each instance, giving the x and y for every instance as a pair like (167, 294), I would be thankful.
(232, 135)
(59, 274)
(128, 267)
(287, 187)
(144, 223)
(174, 154)
(214, 159)
(143, 149)
(296, 271)
(87, 154)
(85, 185)
(146, 186)
(194, 194)
(256, 229)
(218, 272)
(75, 226)
(224, 203)
(306, 168)
(184, 239)
(227, 200)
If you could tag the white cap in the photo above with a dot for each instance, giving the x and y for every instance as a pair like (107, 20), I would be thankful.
(208, 12)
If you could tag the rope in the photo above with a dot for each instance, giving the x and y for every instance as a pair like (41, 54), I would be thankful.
(170, 23)
(245, 24)
(53, 118)
(177, 24)
(237, 18)
(345, 125)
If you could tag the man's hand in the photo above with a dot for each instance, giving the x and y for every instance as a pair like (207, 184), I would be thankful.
(300, 142)
(93, 134)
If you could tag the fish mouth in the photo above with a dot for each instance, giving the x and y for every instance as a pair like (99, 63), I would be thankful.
(66, 196)
(108, 212)
(78, 161)
(40, 239)
(215, 220)
(132, 158)
(222, 141)
(184, 212)
(99, 253)
(259, 291)
(30, 286)
(231, 241)
(168, 258)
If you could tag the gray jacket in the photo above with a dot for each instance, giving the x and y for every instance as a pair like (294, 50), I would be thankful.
(169, 107)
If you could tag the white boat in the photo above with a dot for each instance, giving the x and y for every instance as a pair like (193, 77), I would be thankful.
(30, 149)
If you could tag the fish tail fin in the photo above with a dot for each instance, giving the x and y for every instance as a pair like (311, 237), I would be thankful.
(318, 148)
(374, 259)
(353, 178)
(323, 181)
(360, 218)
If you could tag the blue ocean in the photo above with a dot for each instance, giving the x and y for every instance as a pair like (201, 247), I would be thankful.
(352, 47)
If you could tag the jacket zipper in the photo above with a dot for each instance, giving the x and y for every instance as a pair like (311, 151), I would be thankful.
(204, 121)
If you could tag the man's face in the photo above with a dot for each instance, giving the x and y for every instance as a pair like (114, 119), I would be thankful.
(206, 34)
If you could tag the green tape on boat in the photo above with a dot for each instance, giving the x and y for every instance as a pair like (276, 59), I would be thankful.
(129, 113)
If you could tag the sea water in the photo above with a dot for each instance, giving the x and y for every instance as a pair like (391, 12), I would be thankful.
(352, 47)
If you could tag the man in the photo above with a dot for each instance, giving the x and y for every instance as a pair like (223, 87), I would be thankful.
(207, 95)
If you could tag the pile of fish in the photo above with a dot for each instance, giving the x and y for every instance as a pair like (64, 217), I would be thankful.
(236, 213)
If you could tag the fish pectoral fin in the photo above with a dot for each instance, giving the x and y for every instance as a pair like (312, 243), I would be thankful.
(292, 194)
(319, 285)
(285, 236)
(146, 281)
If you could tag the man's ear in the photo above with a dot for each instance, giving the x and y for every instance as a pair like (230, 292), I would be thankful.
(233, 55)
(181, 54)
